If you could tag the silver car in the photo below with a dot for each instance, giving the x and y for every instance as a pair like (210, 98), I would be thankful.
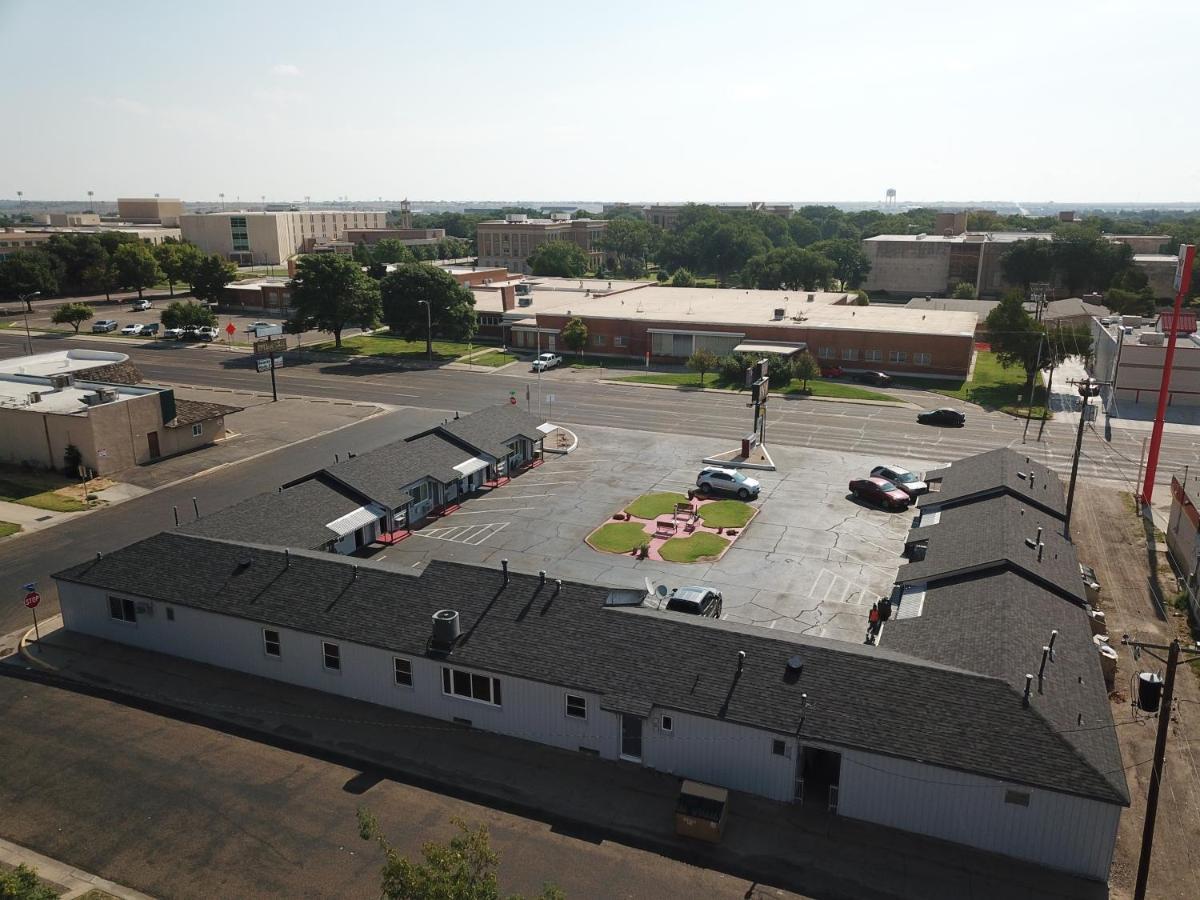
(727, 481)
(907, 481)
(696, 601)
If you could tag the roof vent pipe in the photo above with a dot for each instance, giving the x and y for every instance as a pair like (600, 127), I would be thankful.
(99, 556)
(1042, 667)
(557, 585)
(1053, 636)
(741, 661)
(504, 566)
(541, 578)
(356, 573)
(1041, 547)
(1028, 686)
(1039, 536)
(287, 558)
(1032, 475)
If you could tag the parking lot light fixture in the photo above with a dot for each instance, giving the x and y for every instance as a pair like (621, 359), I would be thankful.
(428, 330)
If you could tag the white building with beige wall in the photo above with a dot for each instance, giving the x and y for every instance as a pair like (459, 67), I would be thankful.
(269, 238)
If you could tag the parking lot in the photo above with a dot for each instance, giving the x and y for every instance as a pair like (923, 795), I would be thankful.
(812, 561)
(123, 314)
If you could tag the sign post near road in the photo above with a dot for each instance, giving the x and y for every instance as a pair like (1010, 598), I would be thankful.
(32, 599)
(230, 330)
(274, 342)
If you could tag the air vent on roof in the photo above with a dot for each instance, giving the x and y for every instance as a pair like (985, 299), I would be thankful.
(445, 628)
(795, 664)
(780, 312)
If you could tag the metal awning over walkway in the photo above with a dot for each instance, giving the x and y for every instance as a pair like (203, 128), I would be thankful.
(778, 347)
(351, 522)
(471, 466)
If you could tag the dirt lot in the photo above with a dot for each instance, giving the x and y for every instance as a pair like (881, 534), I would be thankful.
(1111, 538)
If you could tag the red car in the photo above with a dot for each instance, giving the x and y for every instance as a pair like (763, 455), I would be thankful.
(881, 492)
(832, 371)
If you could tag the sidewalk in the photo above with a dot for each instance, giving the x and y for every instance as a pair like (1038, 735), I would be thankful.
(69, 881)
(802, 849)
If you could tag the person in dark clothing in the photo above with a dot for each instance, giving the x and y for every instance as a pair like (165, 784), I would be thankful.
(885, 609)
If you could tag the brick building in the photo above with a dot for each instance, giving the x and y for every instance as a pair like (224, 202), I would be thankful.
(509, 242)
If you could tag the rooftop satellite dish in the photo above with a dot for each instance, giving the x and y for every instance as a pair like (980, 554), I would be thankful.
(662, 591)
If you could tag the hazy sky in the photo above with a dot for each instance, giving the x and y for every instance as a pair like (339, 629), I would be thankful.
(602, 100)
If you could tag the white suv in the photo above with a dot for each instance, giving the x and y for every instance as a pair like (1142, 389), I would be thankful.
(727, 481)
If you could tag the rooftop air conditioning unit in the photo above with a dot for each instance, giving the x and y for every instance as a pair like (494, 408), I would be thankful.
(1152, 338)
(780, 312)
(811, 298)
(35, 397)
(525, 300)
(62, 380)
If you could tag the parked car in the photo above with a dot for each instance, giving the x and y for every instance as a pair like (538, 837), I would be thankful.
(881, 492)
(187, 333)
(207, 333)
(879, 379)
(141, 305)
(104, 326)
(132, 328)
(944, 416)
(907, 481)
(173, 333)
(150, 329)
(832, 371)
(727, 481)
(546, 361)
(696, 600)
(254, 326)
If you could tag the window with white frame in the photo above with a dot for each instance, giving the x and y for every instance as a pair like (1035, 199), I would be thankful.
(598, 340)
(922, 359)
(849, 354)
(825, 352)
(469, 686)
(271, 642)
(873, 355)
(897, 356)
(620, 341)
(402, 671)
(576, 706)
(667, 723)
(331, 656)
(122, 609)
(198, 429)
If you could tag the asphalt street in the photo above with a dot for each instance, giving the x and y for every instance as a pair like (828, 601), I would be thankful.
(185, 811)
(428, 395)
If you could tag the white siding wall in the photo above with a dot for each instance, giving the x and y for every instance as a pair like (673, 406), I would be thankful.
(732, 756)
(1055, 830)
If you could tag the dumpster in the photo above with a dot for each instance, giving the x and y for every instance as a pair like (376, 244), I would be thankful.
(700, 811)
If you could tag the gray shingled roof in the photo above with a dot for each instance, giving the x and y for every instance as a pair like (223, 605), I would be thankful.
(490, 429)
(294, 517)
(385, 474)
(189, 412)
(997, 625)
(995, 472)
(991, 533)
(859, 697)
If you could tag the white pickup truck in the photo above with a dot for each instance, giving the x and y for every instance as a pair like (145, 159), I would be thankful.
(546, 361)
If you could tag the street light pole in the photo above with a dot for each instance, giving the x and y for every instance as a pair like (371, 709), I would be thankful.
(1087, 389)
(428, 330)
(25, 298)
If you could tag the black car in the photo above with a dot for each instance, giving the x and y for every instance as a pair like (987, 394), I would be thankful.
(879, 379)
(944, 416)
(150, 330)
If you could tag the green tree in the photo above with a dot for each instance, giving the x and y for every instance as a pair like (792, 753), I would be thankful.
(25, 272)
(728, 247)
(862, 298)
(451, 311)
(174, 261)
(850, 264)
(702, 361)
(362, 255)
(136, 267)
(683, 278)
(462, 869)
(73, 314)
(180, 314)
(390, 250)
(1015, 337)
(1085, 260)
(632, 243)
(22, 883)
(81, 255)
(964, 290)
(208, 277)
(565, 259)
(790, 268)
(1130, 303)
(575, 335)
(333, 291)
(804, 367)
(1027, 261)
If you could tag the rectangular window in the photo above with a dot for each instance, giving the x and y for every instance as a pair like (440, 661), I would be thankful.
(122, 609)
(620, 341)
(668, 723)
(197, 429)
(403, 671)
(576, 706)
(332, 656)
(481, 688)
(170, 614)
(849, 354)
(1016, 798)
(873, 355)
(778, 747)
(239, 233)
(598, 340)
(420, 492)
(825, 352)
(897, 356)
(922, 359)
(271, 642)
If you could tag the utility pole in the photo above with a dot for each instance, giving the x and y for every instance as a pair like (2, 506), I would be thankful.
(1037, 367)
(1160, 748)
(428, 330)
(25, 298)
(1087, 389)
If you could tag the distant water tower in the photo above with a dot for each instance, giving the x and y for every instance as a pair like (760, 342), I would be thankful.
(890, 197)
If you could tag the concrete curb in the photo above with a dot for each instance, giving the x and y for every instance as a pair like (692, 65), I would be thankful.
(560, 451)
(27, 654)
(899, 404)
(724, 459)
(76, 881)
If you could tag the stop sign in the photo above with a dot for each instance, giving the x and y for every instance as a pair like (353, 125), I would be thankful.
(32, 599)
(230, 329)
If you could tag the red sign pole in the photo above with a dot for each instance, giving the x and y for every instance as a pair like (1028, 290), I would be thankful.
(1183, 280)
